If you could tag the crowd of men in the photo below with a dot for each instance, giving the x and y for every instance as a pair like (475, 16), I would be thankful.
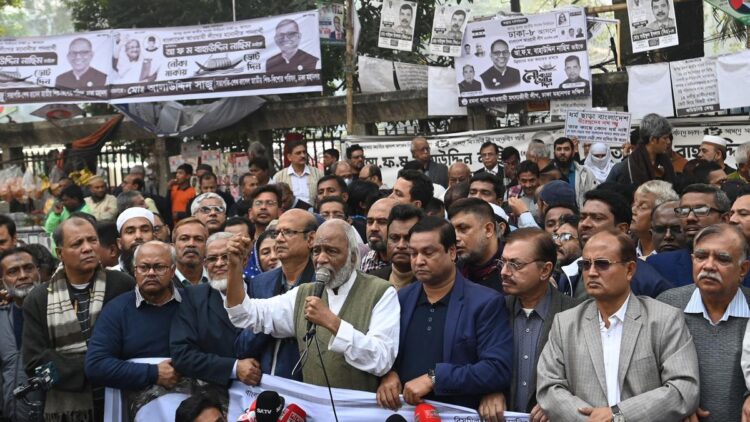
(565, 286)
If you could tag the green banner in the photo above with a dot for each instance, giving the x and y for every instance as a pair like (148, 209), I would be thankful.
(737, 9)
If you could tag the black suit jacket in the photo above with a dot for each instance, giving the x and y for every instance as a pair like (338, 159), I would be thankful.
(500, 172)
(384, 273)
(558, 303)
(201, 340)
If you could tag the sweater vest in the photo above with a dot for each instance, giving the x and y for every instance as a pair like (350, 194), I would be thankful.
(357, 310)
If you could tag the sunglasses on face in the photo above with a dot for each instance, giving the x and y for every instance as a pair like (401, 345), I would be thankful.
(600, 264)
(700, 211)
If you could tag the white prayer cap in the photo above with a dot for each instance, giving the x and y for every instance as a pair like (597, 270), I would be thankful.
(438, 191)
(134, 212)
(499, 212)
(716, 140)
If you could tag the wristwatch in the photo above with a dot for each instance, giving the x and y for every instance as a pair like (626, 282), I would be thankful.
(617, 415)
(431, 374)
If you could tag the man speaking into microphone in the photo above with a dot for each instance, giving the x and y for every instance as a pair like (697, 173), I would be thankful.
(357, 315)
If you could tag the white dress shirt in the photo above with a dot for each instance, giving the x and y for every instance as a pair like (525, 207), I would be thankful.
(373, 352)
(611, 338)
(299, 183)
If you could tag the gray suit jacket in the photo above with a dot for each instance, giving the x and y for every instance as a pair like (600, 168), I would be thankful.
(558, 303)
(658, 370)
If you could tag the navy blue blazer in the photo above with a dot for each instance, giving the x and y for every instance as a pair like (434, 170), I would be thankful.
(201, 340)
(677, 267)
(261, 346)
(477, 342)
(646, 282)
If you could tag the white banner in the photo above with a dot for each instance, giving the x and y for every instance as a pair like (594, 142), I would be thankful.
(650, 90)
(332, 23)
(733, 72)
(442, 93)
(695, 86)
(609, 127)
(390, 153)
(271, 55)
(411, 76)
(448, 27)
(375, 75)
(397, 20)
(652, 24)
(525, 58)
(558, 109)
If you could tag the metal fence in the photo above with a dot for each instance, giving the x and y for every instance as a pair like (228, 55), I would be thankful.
(317, 139)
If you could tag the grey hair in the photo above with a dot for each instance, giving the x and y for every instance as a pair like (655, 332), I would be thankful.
(172, 251)
(351, 237)
(126, 200)
(537, 148)
(202, 197)
(720, 230)
(218, 236)
(257, 148)
(742, 152)
(662, 191)
(653, 126)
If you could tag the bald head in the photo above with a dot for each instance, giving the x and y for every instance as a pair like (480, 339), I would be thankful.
(156, 248)
(302, 217)
(457, 173)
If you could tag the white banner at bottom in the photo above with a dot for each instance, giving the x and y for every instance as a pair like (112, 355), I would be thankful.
(351, 405)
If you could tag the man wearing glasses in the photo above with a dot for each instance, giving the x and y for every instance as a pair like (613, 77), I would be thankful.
(211, 210)
(700, 206)
(602, 210)
(291, 59)
(136, 325)
(202, 337)
(294, 236)
(527, 263)
(81, 75)
(500, 75)
(620, 357)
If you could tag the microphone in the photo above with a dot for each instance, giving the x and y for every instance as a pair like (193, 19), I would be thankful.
(269, 406)
(395, 418)
(322, 277)
(426, 413)
(293, 413)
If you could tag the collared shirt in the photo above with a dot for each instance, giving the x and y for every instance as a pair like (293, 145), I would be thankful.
(139, 299)
(299, 183)
(737, 307)
(572, 175)
(372, 262)
(185, 282)
(527, 329)
(373, 352)
(423, 343)
(611, 339)
(494, 170)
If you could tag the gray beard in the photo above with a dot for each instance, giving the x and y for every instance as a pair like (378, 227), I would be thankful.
(341, 276)
(20, 293)
(218, 284)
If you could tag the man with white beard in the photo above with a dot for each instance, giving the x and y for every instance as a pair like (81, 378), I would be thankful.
(202, 337)
(20, 274)
(357, 315)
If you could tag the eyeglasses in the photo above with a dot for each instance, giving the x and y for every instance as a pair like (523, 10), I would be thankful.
(663, 229)
(158, 228)
(159, 269)
(700, 211)
(563, 237)
(600, 264)
(514, 265)
(268, 203)
(500, 53)
(287, 35)
(213, 259)
(212, 208)
(273, 234)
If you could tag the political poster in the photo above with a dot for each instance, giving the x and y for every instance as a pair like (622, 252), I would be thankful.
(652, 24)
(694, 86)
(271, 55)
(397, 20)
(59, 69)
(375, 75)
(277, 54)
(525, 58)
(608, 127)
(448, 27)
(331, 23)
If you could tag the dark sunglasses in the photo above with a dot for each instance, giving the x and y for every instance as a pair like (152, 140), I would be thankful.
(600, 264)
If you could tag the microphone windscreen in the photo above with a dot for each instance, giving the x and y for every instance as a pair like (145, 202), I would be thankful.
(425, 412)
(268, 406)
(323, 275)
(395, 418)
(293, 413)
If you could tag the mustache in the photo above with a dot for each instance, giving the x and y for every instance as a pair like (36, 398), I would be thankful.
(713, 275)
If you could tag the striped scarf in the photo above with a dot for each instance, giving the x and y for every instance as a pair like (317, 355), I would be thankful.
(67, 339)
